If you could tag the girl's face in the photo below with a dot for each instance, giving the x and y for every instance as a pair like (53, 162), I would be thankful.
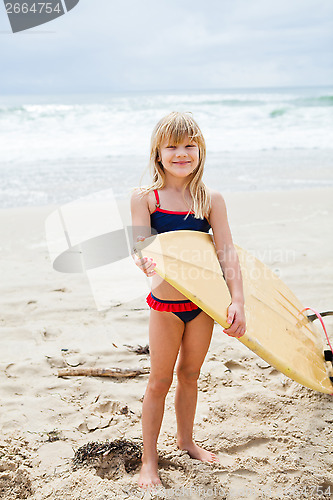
(179, 160)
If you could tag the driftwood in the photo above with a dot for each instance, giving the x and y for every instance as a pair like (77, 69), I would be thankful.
(101, 372)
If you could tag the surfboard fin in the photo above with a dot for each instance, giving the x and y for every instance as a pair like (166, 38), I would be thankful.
(312, 317)
(328, 355)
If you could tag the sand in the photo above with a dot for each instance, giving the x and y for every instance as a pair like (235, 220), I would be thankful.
(273, 437)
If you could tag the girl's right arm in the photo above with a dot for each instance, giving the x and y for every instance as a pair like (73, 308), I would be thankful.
(141, 229)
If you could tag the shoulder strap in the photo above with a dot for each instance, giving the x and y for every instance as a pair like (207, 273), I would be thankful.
(157, 198)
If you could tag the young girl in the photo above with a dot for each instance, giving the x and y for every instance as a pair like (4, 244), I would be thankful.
(178, 199)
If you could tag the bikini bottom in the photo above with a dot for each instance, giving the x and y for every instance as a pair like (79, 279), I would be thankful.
(184, 309)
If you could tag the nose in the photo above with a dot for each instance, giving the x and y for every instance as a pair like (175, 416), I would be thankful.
(181, 151)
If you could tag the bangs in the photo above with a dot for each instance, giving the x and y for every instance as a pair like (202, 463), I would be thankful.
(176, 128)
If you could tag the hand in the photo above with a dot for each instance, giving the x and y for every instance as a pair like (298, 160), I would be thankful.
(236, 318)
(146, 264)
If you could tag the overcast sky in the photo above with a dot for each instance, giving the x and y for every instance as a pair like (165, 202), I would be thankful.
(143, 45)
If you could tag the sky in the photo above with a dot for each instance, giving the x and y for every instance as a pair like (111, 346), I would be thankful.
(170, 45)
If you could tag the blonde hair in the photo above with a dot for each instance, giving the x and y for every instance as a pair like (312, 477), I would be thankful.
(173, 128)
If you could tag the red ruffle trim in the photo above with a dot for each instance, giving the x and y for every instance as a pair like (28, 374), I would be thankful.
(178, 307)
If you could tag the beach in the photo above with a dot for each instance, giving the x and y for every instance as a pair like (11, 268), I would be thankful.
(273, 437)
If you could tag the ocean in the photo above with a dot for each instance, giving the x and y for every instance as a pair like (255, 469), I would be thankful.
(55, 149)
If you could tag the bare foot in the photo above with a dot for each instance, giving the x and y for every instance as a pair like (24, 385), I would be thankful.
(148, 477)
(199, 453)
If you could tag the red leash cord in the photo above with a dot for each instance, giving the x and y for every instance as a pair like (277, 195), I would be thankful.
(319, 316)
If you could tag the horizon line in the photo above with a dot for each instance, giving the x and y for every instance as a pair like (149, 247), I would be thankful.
(142, 91)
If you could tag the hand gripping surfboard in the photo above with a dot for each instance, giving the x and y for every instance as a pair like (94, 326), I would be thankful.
(277, 329)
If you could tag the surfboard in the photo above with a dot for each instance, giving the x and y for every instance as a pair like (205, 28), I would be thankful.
(277, 330)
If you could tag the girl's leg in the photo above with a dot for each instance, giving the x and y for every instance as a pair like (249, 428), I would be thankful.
(165, 336)
(194, 347)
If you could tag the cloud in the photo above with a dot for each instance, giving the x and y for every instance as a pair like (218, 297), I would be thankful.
(105, 46)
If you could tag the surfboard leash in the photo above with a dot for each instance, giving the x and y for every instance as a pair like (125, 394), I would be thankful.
(328, 353)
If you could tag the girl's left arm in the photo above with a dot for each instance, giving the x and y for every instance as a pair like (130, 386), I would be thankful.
(229, 262)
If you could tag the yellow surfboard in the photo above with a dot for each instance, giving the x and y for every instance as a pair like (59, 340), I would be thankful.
(277, 331)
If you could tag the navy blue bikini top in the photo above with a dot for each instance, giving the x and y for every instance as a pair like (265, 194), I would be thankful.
(166, 220)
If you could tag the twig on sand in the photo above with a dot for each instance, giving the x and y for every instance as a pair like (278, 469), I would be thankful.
(138, 349)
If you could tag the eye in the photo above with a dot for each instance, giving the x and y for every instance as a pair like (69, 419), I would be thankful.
(191, 145)
(170, 147)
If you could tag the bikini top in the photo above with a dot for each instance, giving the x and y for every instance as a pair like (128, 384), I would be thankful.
(166, 220)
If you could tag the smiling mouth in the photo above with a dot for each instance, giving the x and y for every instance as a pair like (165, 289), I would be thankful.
(181, 162)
